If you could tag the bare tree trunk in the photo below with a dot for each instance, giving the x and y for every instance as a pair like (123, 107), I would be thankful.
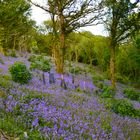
(62, 44)
(112, 66)
(90, 59)
(62, 52)
(76, 56)
(43, 78)
(14, 43)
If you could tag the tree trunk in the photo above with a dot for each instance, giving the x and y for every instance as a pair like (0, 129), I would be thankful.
(62, 44)
(90, 59)
(14, 43)
(76, 56)
(62, 52)
(112, 66)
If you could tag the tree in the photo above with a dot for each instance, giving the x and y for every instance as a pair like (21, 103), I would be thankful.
(128, 62)
(74, 50)
(122, 21)
(70, 15)
(102, 52)
(15, 26)
(86, 45)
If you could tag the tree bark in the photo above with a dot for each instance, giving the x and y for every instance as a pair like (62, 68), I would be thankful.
(112, 66)
(62, 52)
(62, 44)
(14, 43)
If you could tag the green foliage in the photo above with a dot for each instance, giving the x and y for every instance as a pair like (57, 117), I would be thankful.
(9, 125)
(13, 54)
(1, 61)
(100, 85)
(122, 78)
(27, 98)
(34, 65)
(15, 24)
(107, 102)
(75, 70)
(90, 49)
(131, 94)
(137, 113)
(32, 58)
(6, 77)
(97, 78)
(108, 92)
(123, 107)
(13, 127)
(20, 73)
(2, 94)
(1, 70)
(39, 62)
(128, 63)
(4, 82)
(106, 126)
(78, 89)
(45, 65)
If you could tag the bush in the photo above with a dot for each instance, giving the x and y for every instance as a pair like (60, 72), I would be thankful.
(45, 65)
(123, 107)
(108, 92)
(97, 78)
(39, 57)
(11, 53)
(75, 70)
(20, 73)
(107, 102)
(1, 61)
(34, 65)
(99, 85)
(32, 58)
(137, 112)
(122, 78)
(131, 94)
(39, 62)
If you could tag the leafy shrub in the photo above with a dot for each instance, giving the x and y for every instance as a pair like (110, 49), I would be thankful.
(39, 57)
(100, 85)
(131, 94)
(78, 89)
(20, 73)
(2, 94)
(6, 77)
(97, 78)
(122, 78)
(13, 53)
(39, 62)
(123, 107)
(107, 102)
(32, 58)
(1, 70)
(1, 61)
(75, 70)
(27, 98)
(108, 92)
(137, 113)
(45, 65)
(34, 65)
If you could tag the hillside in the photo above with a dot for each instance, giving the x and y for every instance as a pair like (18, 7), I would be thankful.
(85, 109)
